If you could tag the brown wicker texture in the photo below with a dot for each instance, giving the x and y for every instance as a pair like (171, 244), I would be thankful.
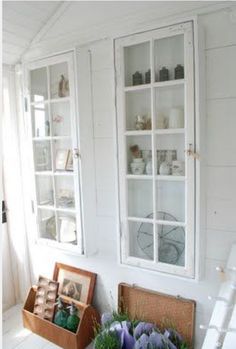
(161, 309)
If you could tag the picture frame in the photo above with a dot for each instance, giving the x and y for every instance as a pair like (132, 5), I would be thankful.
(61, 159)
(75, 284)
(69, 163)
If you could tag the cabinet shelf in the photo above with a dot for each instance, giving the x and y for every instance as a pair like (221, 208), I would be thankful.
(169, 83)
(50, 173)
(137, 87)
(138, 133)
(157, 177)
(53, 100)
(48, 138)
(157, 221)
(169, 131)
(131, 176)
(59, 209)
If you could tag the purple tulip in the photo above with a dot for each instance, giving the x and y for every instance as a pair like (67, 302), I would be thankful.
(122, 329)
(143, 327)
(106, 318)
(142, 342)
(173, 336)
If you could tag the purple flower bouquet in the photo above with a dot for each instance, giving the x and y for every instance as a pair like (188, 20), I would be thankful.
(117, 331)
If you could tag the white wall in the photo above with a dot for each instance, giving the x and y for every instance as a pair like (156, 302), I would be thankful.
(220, 54)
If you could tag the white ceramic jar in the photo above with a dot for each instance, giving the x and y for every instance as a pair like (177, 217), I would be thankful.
(178, 168)
(137, 166)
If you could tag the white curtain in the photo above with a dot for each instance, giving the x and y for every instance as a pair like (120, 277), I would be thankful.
(13, 188)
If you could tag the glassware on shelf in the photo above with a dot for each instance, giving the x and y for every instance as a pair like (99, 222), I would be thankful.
(149, 163)
(137, 166)
(137, 78)
(179, 72)
(178, 168)
(164, 168)
(148, 77)
(164, 74)
(140, 123)
(42, 156)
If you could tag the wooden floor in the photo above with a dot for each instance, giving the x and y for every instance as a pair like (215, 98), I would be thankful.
(15, 336)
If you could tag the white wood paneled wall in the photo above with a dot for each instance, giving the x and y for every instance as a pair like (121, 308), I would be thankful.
(102, 258)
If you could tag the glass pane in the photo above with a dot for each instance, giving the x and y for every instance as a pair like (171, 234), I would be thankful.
(169, 54)
(42, 154)
(170, 200)
(138, 110)
(59, 80)
(140, 194)
(137, 64)
(40, 120)
(44, 188)
(171, 244)
(63, 160)
(65, 191)
(67, 228)
(141, 240)
(39, 85)
(60, 113)
(47, 224)
(138, 155)
(170, 154)
(170, 107)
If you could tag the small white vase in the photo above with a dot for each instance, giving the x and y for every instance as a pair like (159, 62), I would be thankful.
(137, 167)
(164, 168)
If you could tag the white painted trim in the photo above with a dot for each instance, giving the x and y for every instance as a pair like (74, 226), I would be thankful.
(185, 28)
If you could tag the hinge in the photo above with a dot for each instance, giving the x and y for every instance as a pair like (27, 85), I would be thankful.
(26, 104)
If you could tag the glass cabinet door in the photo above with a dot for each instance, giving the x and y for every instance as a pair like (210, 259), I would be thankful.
(55, 150)
(155, 96)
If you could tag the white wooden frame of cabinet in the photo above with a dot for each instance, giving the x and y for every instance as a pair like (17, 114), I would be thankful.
(189, 106)
(69, 58)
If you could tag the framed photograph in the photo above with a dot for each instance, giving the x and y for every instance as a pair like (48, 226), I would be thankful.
(69, 163)
(74, 283)
(61, 159)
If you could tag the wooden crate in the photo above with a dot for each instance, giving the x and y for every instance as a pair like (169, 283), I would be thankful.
(159, 308)
(58, 335)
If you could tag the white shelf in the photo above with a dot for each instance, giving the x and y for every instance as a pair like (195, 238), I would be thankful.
(138, 133)
(158, 177)
(157, 221)
(144, 176)
(42, 139)
(58, 209)
(52, 100)
(170, 178)
(157, 84)
(170, 131)
(60, 99)
(50, 173)
(63, 173)
(137, 87)
(169, 83)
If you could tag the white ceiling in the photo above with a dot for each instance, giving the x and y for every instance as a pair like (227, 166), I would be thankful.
(22, 20)
(28, 23)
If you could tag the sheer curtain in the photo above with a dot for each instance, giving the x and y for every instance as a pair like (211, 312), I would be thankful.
(13, 188)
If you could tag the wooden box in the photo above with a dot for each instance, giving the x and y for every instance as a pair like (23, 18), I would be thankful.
(88, 315)
(159, 308)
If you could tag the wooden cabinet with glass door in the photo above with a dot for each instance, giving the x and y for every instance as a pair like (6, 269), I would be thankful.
(51, 96)
(155, 109)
